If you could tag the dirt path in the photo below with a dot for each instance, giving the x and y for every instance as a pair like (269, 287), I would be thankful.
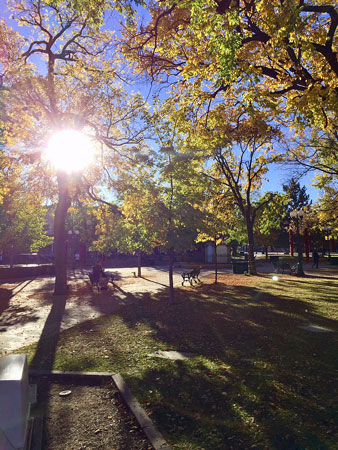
(91, 417)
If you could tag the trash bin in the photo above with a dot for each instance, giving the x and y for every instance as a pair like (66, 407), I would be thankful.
(240, 266)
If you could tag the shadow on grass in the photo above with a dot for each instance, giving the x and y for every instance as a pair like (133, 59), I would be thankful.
(258, 381)
(45, 351)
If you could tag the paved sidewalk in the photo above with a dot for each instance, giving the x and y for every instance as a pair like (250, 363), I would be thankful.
(25, 305)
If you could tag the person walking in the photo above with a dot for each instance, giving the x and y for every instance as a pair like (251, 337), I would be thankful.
(77, 260)
(315, 257)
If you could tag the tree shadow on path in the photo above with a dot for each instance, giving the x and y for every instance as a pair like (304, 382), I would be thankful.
(46, 348)
(5, 295)
(152, 281)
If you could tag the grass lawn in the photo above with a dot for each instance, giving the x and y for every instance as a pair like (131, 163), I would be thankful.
(257, 380)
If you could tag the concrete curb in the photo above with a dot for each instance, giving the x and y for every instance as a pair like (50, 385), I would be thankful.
(60, 374)
(154, 436)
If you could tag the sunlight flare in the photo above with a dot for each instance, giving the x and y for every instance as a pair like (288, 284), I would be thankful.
(70, 150)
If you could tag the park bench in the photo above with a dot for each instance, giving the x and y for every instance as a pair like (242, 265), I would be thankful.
(294, 269)
(191, 276)
(101, 283)
(282, 266)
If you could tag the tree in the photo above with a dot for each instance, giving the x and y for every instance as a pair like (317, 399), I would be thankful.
(298, 198)
(325, 212)
(270, 223)
(234, 152)
(240, 154)
(142, 211)
(181, 188)
(180, 197)
(137, 228)
(79, 89)
(81, 217)
(22, 214)
(220, 221)
(316, 151)
(160, 209)
(276, 54)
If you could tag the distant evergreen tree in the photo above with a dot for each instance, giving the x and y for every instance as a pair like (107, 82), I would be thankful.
(297, 194)
(299, 199)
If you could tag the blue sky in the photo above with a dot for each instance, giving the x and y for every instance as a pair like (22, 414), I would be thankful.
(278, 176)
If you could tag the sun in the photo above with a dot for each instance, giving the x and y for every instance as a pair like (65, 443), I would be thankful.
(70, 150)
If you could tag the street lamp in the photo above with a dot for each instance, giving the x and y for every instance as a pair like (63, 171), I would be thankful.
(298, 216)
(75, 232)
(327, 233)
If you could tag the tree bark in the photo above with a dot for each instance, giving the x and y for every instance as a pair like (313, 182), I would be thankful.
(139, 263)
(216, 263)
(251, 248)
(60, 235)
(171, 277)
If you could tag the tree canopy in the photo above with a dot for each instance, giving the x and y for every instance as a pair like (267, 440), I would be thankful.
(79, 88)
(22, 213)
(236, 75)
(280, 55)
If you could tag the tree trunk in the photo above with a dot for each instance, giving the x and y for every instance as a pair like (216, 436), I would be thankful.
(216, 263)
(266, 253)
(251, 248)
(60, 235)
(139, 263)
(171, 278)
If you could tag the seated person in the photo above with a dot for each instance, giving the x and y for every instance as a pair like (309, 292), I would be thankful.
(97, 272)
(103, 282)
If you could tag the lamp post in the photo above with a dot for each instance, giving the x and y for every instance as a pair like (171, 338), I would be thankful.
(327, 233)
(298, 216)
